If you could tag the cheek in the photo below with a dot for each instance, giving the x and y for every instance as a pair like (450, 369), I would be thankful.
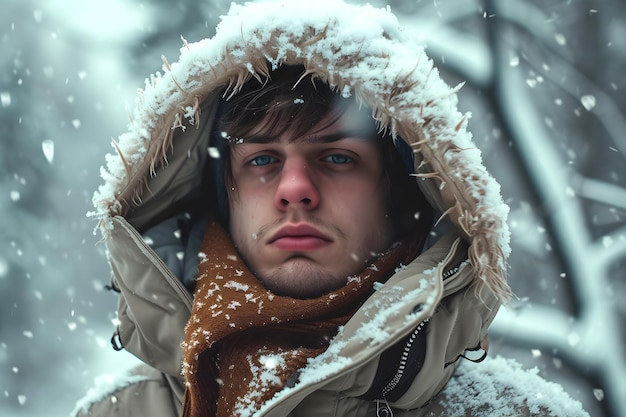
(245, 212)
(237, 217)
(365, 209)
(377, 218)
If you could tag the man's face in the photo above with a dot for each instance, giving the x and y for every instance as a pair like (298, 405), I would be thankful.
(307, 213)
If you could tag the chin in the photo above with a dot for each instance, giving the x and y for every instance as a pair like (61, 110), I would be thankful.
(300, 279)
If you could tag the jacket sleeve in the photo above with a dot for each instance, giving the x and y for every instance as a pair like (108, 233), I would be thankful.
(141, 392)
(501, 388)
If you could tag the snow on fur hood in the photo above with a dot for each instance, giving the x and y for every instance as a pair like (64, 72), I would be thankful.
(364, 53)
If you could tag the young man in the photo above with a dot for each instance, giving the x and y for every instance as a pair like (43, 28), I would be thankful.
(269, 221)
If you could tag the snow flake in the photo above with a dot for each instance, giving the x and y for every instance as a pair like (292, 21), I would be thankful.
(190, 114)
(354, 278)
(560, 39)
(214, 152)
(588, 101)
(250, 298)
(265, 374)
(598, 393)
(573, 339)
(38, 15)
(5, 98)
(237, 286)
(48, 72)
(270, 363)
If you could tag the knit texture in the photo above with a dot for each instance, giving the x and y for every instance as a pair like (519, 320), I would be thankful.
(244, 344)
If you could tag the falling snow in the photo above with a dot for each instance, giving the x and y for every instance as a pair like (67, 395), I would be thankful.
(5, 99)
(47, 146)
(60, 108)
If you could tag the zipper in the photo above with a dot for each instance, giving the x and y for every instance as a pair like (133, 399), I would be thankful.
(451, 272)
(404, 357)
(170, 278)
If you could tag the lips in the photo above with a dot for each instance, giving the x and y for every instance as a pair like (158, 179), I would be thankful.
(299, 238)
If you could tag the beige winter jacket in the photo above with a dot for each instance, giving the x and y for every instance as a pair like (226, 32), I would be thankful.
(451, 292)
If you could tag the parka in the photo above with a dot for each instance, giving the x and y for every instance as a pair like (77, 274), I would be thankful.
(406, 351)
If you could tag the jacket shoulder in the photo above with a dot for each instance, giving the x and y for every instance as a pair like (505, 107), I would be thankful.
(501, 387)
(140, 391)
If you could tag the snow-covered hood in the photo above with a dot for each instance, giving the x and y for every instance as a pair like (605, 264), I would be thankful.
(362, 50)
(365, 53)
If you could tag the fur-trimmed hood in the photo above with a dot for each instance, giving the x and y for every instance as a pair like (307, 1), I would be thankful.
(363, 52)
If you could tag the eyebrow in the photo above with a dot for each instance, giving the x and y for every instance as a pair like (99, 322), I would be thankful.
(362, 134)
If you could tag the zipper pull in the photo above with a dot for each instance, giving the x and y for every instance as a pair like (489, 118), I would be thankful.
(383, 409)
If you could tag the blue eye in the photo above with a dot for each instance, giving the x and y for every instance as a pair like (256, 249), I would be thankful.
(338, 158)
(262, 160)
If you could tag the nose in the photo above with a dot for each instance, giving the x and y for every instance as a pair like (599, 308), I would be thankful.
(296, 187)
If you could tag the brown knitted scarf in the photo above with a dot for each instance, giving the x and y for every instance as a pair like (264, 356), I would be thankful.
(243, 342)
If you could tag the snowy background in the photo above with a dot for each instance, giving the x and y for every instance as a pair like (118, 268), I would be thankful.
(545, 82)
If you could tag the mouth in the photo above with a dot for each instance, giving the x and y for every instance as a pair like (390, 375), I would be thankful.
(299, 238)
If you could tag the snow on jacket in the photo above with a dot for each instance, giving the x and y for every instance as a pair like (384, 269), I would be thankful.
(456, 285)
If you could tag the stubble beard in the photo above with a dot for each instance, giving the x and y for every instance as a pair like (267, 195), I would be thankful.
(301, 278)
